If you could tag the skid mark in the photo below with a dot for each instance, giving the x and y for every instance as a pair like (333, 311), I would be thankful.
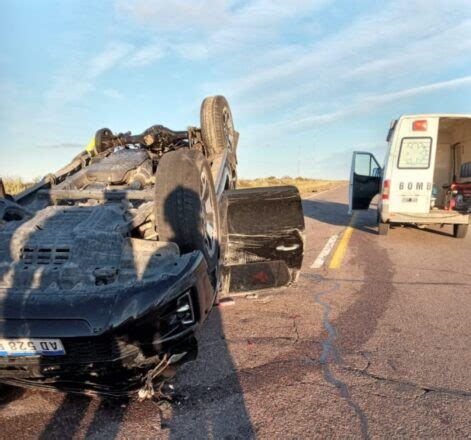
(330, 352)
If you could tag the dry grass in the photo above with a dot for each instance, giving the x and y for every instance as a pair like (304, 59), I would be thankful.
(306, 186)
(14, 185)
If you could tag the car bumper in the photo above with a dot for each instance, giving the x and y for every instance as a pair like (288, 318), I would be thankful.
(95, 373)
(117, 360)
(435, 217)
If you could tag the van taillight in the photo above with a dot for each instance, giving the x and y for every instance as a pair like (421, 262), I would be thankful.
(385, 194)
(419, 125)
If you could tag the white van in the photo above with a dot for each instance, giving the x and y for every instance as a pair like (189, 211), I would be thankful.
(426, 178)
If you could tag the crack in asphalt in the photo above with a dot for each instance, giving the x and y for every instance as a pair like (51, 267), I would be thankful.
(296, 332)
(329, 350)
(229, 385)
(425, 388)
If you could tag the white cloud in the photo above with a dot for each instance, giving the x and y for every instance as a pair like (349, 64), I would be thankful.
(393, 30)
(296, 66)
(107, 59)
(215, 27)
(78, 80)
(366, 104)
(146, 55)
(176, 15)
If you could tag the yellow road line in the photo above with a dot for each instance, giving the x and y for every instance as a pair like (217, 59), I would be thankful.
(337, 258)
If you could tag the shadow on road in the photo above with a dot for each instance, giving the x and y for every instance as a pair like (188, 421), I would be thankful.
(210, 401)
(335, 213)
(448, 233)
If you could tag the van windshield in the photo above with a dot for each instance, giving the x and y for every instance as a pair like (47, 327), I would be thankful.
(415, 153)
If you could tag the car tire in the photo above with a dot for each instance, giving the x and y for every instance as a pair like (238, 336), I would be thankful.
(185, 204)
(383, 228)
(217, 125)
(460, 231)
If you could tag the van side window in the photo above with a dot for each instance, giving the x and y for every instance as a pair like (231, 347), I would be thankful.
(415, 153)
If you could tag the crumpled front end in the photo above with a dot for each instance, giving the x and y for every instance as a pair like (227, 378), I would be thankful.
(114, 340)
(123, 308)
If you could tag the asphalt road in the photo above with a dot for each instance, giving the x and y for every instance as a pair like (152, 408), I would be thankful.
(373, 343)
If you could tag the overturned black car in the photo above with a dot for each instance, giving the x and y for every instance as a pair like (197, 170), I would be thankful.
(108, 266)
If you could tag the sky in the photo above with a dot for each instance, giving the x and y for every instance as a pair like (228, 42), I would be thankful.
(308, 81)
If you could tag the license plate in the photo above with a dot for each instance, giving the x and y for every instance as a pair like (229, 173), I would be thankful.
(31, 347)
(409, 200)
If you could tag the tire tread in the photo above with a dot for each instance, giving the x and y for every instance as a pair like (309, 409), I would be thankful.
(212, 123)
(176, 210)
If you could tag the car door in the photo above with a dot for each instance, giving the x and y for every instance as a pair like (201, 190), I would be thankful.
(262, 237)
(365, 180)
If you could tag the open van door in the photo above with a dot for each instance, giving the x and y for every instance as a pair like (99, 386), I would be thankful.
(365, 180)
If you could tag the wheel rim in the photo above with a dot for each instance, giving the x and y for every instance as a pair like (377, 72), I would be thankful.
(208, 214)
(228, 127)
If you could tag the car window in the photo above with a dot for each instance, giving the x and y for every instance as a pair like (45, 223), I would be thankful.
(415, 153)
(366, 165)
(362, 164)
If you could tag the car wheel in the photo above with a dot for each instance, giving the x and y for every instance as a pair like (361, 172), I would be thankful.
(383, 228)
(459, 231)
(186, 210)
(217, 125)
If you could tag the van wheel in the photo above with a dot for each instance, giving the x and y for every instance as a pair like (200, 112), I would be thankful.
(383, 228)
(459, 231)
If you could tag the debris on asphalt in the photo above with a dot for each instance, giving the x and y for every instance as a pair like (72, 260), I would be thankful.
(224, 302)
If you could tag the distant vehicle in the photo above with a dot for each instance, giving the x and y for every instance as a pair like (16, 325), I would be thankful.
(109, 266)
(426, 178)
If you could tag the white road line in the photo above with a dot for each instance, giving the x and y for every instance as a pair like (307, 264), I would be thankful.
(320, 260)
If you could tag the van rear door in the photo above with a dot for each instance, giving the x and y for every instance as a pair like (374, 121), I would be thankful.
(412, 165)
(365, 180)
